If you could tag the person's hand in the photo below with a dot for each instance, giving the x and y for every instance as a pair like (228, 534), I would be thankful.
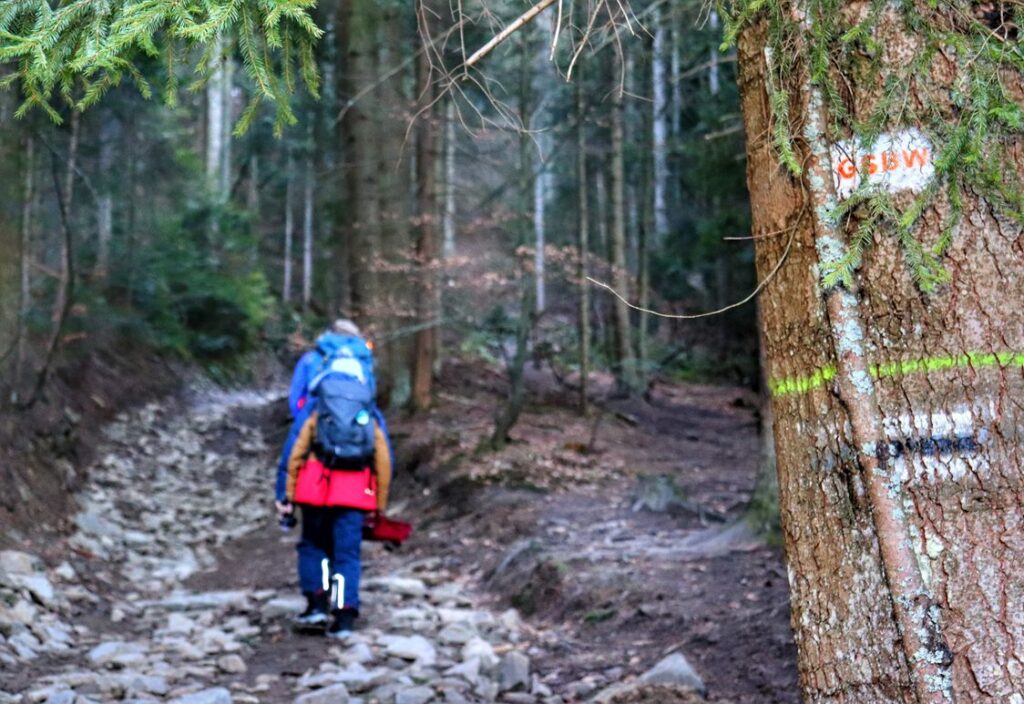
(284, 508)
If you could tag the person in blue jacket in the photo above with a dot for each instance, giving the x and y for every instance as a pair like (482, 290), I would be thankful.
(300, 406)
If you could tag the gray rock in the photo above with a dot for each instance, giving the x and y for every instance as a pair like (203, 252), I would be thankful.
(64, 696)
(674, 669)
(358, 653)
(232, 664)
(117, 652)
(335, 694)
(214, 695)
(515, 671)
(415, 648)
(405, 586)
(468, 670)
(39, 587)
(415, 695)
(203, 600)
(518, 698)
(481, 650)
(457, 634)
(15, 562)
(283, 606)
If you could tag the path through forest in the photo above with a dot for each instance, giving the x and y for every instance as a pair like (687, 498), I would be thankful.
(531, 578)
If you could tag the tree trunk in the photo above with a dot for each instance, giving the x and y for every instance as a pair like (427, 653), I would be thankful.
(508, 413)
(659, 129)
(449, 178)
(25, 287)
(540, 186)
(307, 233)
(583, 241)
(426, 236)
(215, 118)
(625, 361)
(289, 227)
(897, 416)
(714, 82)
(109, 131)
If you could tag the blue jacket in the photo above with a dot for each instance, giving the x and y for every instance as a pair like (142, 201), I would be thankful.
(299, 402)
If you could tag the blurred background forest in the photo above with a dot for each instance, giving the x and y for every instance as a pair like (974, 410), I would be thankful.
(413, 195)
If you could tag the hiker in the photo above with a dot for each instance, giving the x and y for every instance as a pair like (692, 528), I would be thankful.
(338, 470)
(341, 332)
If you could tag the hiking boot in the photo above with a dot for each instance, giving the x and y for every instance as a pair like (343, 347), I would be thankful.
(343, 624)
(315, 615)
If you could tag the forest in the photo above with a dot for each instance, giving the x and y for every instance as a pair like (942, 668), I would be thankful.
(685, 337)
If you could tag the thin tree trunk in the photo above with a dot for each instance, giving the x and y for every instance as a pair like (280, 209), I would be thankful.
(714, 82)
(215, 118)
(25, 289)
(676, 68)
(307, 234)
(625, 361)
(449, 178)
(68, 193)
(425, 348)
(105, 205)
(659, 128)
(509, 412)
(583, 241)
(289, 227)
(539, 234)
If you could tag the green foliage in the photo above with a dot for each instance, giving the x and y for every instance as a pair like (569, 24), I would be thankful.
(974, 125)
(80, 49)
(191, 296)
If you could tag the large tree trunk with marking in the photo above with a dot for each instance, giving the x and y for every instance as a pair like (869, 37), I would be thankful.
(898, 417)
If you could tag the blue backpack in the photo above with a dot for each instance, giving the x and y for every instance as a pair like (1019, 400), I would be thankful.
(344, 392)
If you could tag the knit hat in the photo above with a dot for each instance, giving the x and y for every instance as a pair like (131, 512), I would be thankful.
(344, 326)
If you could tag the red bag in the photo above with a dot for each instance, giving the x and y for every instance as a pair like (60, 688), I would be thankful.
(383, 529)
(317, 485)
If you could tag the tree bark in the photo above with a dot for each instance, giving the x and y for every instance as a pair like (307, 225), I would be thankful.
(659, 128)
(25, 283)
(307, 232)
(425, 348)
(449, 178)
(109, 132)
(289, 227)
(897, 419)
(583, 241)
(625, 360)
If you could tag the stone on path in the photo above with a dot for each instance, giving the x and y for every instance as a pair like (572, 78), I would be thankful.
(405, 586)
(116, 652)
(415, 648)
(335, 694)
(481, 650)
(232, 664)
(674, 669)
(515, 671)
(215, 695)
(415, 695)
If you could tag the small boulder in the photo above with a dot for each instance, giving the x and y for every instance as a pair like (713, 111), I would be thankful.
(675, 670)
(214, 695)
(415, 695)
(515, 671)
(335, 694)
(415, 648)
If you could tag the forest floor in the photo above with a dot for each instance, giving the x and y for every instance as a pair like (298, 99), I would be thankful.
(537, 574)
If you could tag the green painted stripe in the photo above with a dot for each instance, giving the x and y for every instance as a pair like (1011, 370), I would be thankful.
(975, 360)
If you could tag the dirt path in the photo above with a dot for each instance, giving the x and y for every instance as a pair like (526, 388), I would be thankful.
(530, 580)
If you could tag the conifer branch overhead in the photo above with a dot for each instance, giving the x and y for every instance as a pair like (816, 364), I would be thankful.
(50, 46)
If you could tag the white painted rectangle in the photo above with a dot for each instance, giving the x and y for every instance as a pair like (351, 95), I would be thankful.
(899, 161)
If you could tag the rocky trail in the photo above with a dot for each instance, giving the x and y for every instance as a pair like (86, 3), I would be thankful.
(175, 585)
